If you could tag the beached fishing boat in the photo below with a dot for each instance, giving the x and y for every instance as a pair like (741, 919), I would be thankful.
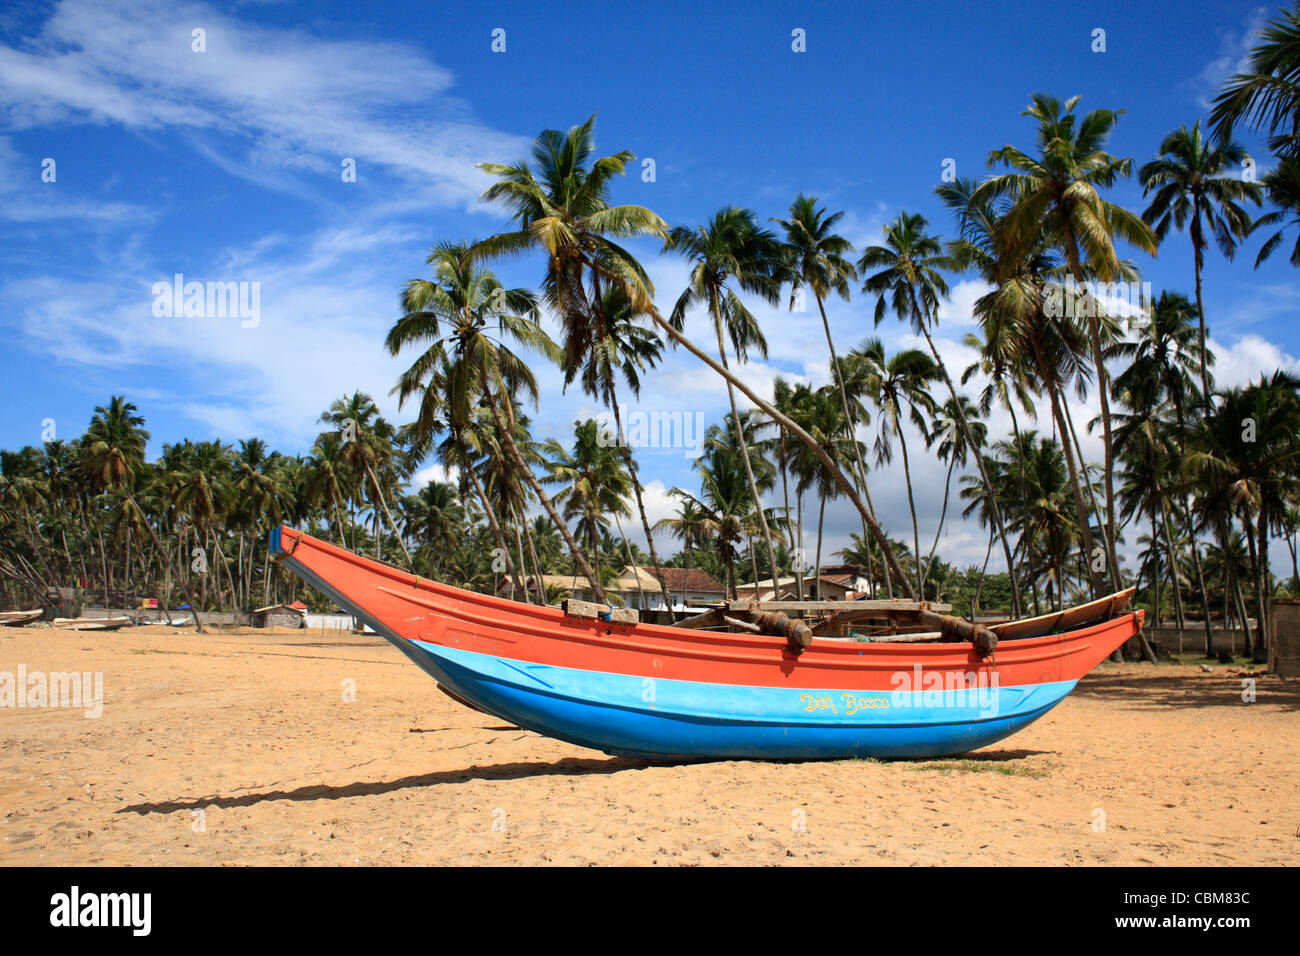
(90, 623)
(19, 618)
(601, 679)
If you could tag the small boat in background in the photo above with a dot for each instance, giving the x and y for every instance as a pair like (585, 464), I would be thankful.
(19, 618)
(89, 623)
(599, 678)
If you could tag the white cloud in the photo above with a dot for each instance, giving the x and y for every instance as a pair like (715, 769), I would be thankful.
(1245, 360)
(292, 100)
(29, 199)
(1234, 50)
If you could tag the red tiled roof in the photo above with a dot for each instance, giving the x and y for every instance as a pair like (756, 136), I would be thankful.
(845, 580)
(690, 579)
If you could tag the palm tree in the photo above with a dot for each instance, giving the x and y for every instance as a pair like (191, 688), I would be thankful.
(689, 525)
(487, 461)
(1266, 95)
(594, 482)
(1056, 197)
(618, 348)
(1195, 188)
(1283, 187)
(1251, 471)
(729, 248)
(329, 481)
(367, 447)
(570, 219)
(113, 452)
(436, 518)
(562, 207)
(821, 413)
(724, 512)
(1017, 324)
(470, 364)
(899, 385)
(1161, 362)
(955, 452)
(910, 278)
(816, 259)
(723, 437)
(783, 397)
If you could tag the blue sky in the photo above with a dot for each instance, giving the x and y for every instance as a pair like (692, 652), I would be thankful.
(224, 165)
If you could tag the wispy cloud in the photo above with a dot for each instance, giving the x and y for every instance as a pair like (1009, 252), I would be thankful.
(295, 101)
(1234, 51)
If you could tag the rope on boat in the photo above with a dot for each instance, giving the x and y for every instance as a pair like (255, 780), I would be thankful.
(957, 629)
(797, 634)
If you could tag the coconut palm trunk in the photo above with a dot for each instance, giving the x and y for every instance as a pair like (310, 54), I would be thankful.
(848, 426)
(1173, 565)
(995, 511)
(194, 607)
(799, 565)
(911, 504)
(821, 517)
(1200, 583)
(495, 525)
(979, 585)
(547, 506)
(1085, 531)
(1073, 436)
(374, 482)
(1091, 307)
(943, 514)
(785, 494)
(640, 502)
(744, 455)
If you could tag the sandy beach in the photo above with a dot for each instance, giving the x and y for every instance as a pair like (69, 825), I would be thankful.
(242, 748)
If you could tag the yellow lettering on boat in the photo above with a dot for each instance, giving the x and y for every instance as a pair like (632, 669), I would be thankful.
(818, 703)
(854, 703)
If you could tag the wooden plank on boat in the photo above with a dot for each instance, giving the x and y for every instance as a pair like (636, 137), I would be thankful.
(583, 609)
(885, 607)
(919, 637)
(588, 611)
(711, 618)
(1081, 615)
(983, 639)
(851, 614)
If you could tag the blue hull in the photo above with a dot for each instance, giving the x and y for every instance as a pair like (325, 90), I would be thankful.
(668, 719)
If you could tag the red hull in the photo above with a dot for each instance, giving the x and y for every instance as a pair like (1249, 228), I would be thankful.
(418, 609)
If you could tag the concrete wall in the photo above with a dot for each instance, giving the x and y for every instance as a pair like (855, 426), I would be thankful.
(331, 622)
(155, 616)
(278, 619)
(1189, 640)
(1284, 652)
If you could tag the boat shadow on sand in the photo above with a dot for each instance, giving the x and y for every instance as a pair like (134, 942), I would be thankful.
(1154, 691)
(517, 770)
